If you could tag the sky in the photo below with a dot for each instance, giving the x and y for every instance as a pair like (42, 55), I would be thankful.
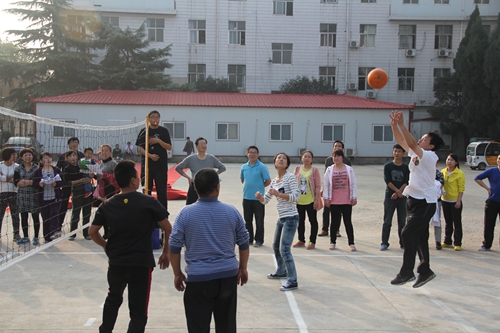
(7, 21)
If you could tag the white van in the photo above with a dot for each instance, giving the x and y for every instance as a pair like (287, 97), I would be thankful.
(481, 155)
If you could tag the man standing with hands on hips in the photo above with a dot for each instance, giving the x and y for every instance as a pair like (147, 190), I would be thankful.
(159, 143)
(421, 202)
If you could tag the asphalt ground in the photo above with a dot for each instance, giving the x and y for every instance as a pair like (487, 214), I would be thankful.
(62, 288)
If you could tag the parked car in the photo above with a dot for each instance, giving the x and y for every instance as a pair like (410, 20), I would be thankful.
(481, 155)
(20, 142)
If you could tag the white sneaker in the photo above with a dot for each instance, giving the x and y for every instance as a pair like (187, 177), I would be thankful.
(56, 234)
(332, 246)
(353, 248)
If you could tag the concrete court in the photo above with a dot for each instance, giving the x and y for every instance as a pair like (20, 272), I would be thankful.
(63, 288)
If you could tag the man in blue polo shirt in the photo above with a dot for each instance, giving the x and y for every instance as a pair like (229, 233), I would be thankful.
(209, 230)
(255, 177)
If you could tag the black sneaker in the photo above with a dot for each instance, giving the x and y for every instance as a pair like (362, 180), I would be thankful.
(289, 286)
(424, 278)
(399, 280)
(276, 276)
(438, 246)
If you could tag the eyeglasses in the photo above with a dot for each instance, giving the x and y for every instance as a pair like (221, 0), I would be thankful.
(252, 152)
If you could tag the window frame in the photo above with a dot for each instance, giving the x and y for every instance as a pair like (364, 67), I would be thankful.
(440, 72)
(328, 38)
(158, 30)
(286, 7)
(366, 36)
(64, 134)
(327, 75)
(228, 124)
(198, 31)
(334, 138)
(439, 35)
(385, 129)
(441, 2)
(282, 53)
(238, 34)
(406, 79)
(197, 73)
(410, 2)
(368, 1)
(410, 35)
(108, 19)
(481, 2)
(233, 77)
(281, 125)
(364, 76)
(172, 129)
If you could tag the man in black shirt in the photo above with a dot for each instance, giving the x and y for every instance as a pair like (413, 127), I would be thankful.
(131, 217)
(159, 143)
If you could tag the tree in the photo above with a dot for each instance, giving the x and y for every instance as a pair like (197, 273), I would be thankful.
(304, 85)
(492, 72)
(209, 84)
(128, 64)
(54, 52)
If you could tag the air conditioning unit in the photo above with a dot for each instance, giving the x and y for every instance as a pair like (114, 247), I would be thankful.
(350, 152)
(352, 86)
(371, 94)
(301, 151)
(444, 53)
(411, 53)
(353, 44)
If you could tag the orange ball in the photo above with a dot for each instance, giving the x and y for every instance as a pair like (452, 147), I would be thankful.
(377, 78)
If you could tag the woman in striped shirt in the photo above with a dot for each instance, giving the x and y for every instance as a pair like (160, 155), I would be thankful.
(284, 188)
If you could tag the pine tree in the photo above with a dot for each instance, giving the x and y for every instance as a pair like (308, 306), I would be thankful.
(492, 73)
(304, 85)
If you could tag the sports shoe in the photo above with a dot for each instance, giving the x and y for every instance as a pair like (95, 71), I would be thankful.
(457, 248)
(438, 246)
(353, 248)
(384, 247)
(400, 280)
(35, 241)
(311, 246)
(299, 244)
(23, 240)
(56, 234)
(276, 276)
(338, 233)
(257, 244)
(332, 246)
(289, 286)
(323, 233)
(447, 246)
(424, 278)
(482, 248)
(72, 238)
(88, 237)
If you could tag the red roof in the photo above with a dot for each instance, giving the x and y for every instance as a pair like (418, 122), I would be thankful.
(174, 98)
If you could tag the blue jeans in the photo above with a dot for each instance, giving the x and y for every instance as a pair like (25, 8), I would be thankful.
(282, 245)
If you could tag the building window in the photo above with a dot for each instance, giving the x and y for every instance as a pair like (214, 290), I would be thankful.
(237, 74)
(237, 32)
(176, 129)
(407, 36)
(282, 53)
(406, 79)
(382, 133)
(328, 34)
(367, 35)
(481, 2)
(155, 29)
(76, 26)
(441, 72)
(332, 132)
(196, 72)
(442, 39)
(368, 1)
(441, 2)
(228, 131)
(111, 20)
(283, 7)
(64, 132)
(329, 1)
(410, 2)
(362, 74)
(281, 132)
(197, 31)
(327, 74)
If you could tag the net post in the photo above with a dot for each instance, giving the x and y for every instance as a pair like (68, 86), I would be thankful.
(146, 157)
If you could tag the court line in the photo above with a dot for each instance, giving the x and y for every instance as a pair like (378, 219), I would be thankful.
(90, 322)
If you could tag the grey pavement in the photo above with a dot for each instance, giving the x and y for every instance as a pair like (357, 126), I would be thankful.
(62, 288)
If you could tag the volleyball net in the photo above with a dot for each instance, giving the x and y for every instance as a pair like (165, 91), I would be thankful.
(18, 130)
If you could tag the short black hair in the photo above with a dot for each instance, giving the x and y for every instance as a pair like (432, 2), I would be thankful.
(124, 172)
(7, 153)
(287, 159)
(73, 138)
(45, 153)
(87, 149)
(199, 139)
(307, 151)
(69, 153)
(26, 151)
(187, 137)
(436, 141)
(153, 112)
(252, 147)
(339, 152)
(398, 146)
(206, 181)
(339, 142)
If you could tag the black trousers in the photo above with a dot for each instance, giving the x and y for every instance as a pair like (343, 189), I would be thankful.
(66, 192)
(160, 179)
(138, 280)
(453, 220)
(491, 212)
(217, 297)
(25, 224)
(80, 203)
(253, 208)
(192, 196)
(312, 215)
(415, 235)
(338, 212)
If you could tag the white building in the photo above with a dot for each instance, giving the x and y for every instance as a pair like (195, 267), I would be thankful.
(232, 121)
(259, 44)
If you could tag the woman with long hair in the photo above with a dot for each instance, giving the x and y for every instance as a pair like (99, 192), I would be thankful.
(8, 192)
(284, 188)
(451, 201)
(310, 202)
(339, 193)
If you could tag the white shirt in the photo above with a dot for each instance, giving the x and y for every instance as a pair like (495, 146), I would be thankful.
(422, 176)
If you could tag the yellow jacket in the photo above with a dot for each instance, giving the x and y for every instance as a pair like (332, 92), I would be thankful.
(454, 183)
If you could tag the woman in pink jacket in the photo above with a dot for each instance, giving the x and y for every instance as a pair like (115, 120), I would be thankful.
(339, 193)
(309, 181)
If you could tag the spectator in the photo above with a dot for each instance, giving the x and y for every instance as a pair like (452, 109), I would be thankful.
(8, 192)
